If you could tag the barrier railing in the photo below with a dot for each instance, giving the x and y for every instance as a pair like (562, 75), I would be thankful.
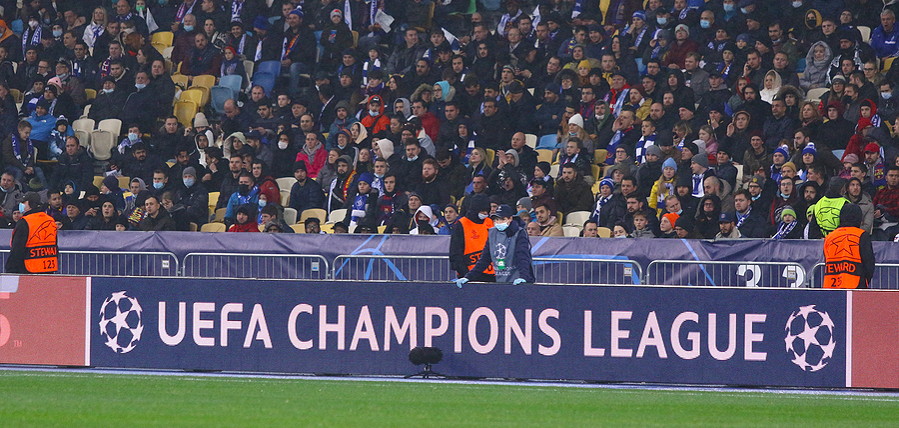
(886, 276)
(119, 263)
(368, 267)
(241, 265)
(551, 270)
(725, 273)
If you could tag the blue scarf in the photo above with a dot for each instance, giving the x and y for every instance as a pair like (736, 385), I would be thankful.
(17, 149)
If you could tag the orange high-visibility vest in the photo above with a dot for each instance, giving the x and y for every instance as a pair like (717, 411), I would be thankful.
(842, 258)
(475, 240)
(41, 252)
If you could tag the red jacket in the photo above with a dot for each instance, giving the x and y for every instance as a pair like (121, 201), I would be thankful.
(312, 168)
(249, 226)
(269, 188)
(375, 124)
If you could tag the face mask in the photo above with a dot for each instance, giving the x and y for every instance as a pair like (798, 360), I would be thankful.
(140, 86)
(796, 4)
(573, 134)
(744, 10)
(132, 136)
(705, 24)
(32, 24)
(661, 20)
(57, 33)
(188, 182)
(188, 28)
(886, 95)
(379, 175)
(621, 236)
(501, 226)
(243, 188)
(140, 8)
(262, 203)
(482, 216)
(63, 76)
(282, 145)
(412, 159)
(372, 113)
(106, 91)
(21, 207)
(729, 7)
(158, 185)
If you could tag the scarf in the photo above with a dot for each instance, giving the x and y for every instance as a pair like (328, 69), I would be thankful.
(347, 13)
(698, 191)
(236, 8)
(25, 158)
(784, 229)
(289, 43)
(742, 217)
(643, 144)
(123, 18)
(184, 9)
(34, 40)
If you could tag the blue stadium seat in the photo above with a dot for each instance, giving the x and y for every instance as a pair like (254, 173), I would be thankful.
(218, 95)
(270, 67)
(232, 82)
(547, 142)
(266, 80)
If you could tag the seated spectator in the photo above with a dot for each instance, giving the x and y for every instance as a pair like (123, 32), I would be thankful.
(155, 218)
(547, 221)
(245, 220)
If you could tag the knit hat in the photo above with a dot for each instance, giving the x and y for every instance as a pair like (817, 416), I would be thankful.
(682, 27)
(639, 14)
(654, 150)
(200, 120)
(607, 182)
(544, 166)
(692, 147)
(336, 12)
(701, 159)
(669, 163)
(685, 223)
(366, 177)
(298, 12)
(191, 171)
(787, 210)
(526, 203)
(810, 149)
(298, 165)
(672, 218)
(111, 182)
(45, 104)
(851, 158)
(784, 150)
(790, 165)
(577, 119)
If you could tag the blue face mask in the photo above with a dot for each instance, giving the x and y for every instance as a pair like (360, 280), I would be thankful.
(729, 7)
(132, 136)
(705, 24)
(188, 182)
(501, 226)
(158, 185)
(22, 207)
(188, 28)
(262, 203)
(140, 86)
(57, 33)
(661, 21)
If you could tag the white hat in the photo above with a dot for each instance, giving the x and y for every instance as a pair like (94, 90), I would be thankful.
(577, 119)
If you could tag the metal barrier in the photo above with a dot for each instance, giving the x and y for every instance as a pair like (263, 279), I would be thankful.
(725, 273)
(367, 267)
(550, 270)
(886, 276)
(269, 266)
(119, 263)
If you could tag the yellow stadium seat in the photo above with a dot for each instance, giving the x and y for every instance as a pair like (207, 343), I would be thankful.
(545, 155)
(163, 38)
(600, 156)
(603, 232)
(213, 227)
(298, 228)
(90, 94)
(185, 112)
(194, 95)
(180, 80)
(203, 81)
(318, 213)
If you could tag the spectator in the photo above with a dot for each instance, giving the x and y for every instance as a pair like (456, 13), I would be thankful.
(155, 219)
(547, 221)
(245, 220)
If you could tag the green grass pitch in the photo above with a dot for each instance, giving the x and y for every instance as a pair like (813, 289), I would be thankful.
(106, 400)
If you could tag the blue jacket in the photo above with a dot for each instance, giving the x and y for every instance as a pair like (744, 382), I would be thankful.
(237, 200)
(41, 126)
(885, 44)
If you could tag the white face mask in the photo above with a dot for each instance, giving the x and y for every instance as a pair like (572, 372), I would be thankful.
(501, 226)
(796, 4)
(886, 95)
(483, 216)
(282, 145)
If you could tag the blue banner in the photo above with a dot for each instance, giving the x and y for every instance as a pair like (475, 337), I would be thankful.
(625, 333)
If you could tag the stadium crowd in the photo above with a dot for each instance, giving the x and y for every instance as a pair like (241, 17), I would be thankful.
(625, 118)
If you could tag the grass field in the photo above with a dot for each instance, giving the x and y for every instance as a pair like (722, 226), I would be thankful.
(86, 399)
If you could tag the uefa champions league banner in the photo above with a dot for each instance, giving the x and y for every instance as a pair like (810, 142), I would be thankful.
(622, 334)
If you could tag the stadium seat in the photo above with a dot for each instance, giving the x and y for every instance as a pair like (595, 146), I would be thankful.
(865, 33)
(124, 182)
(185, 112)
(600, 156)
(84, 125)
(98, 180)
(548, 142)
(167, 54)
(102, 143)
(886, 64)
(17, 95)
(571, 231)
(554, 170)
(233, 82)
(249, 66)
(544, 155)
(327, 228)
(87, 110)
(285, 197)
(285, 183)
(382, 229)
(531, 140)
(159, 47)
(596, 171)
(816, 94)
(163, 38)
(112, 125)
(203, 81)
(192, 227)
(219, 95)
(337, 215)
(290, 216)
(318, 213)
(298, 228)
(577, 218)
(194, 94)
(90, 94)
(266, 80)
(603, 232)
(180, 81)
(219, 216)
(490, 155)
(270, 67)
(213, 227)
(84, 137)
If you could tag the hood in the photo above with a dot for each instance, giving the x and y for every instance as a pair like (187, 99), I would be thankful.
(476, 204)
(363, 132)
(140, 183)
(514, 153)
(714, 215)
(448, 91)
(836, 187)
(810, 56)
(426, 210)
(386, 147)
(228, 149)
(407, 106)
(818, 19)
(851, 216)
(778, 82)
